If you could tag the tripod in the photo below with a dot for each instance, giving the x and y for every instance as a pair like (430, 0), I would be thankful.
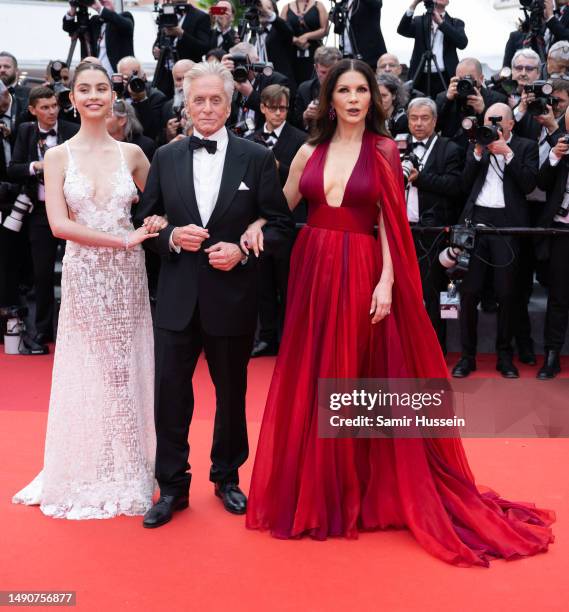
(340, 19)
(81, 34)
(162, 78)
(428, 58)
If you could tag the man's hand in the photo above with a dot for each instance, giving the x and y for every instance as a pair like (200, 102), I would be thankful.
(174, 31)
(5, 130)
(478, 150)
(500, 146)
(37, 166)
(97, 6)
(156, 52)
(451, 92)
(413, 176)
(224, 256)
(476, 102)
(437, 18)
(560, 149)
(548, 9)
(71, 10)
(310, 113)
(108, 4)
(548, 120)
(172, 128)
(189, 237)
(527, 98)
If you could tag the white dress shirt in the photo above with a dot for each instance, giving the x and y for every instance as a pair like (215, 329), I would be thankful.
(492, 193)
(103, 57)
(412, 192)
(554, 161)
(437, 43)
(207, 171)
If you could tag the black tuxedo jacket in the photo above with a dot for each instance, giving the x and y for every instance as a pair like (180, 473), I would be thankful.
(307, 91)
(279, 50)
(520, 178)
(229, 40)
(195, 41)
(365, 30)
(450, 117)
(26, 151)
(559, 28)
(119, 34)
(253, 102)
(439, 184)
(289, 142)
(419, 28)
(227, 300)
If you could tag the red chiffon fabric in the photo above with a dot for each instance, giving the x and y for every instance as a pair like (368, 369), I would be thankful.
(303, 484)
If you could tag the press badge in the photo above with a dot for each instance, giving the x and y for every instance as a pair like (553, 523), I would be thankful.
(450, 302)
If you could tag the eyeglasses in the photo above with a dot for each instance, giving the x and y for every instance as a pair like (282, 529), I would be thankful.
(282, 109)
(389, 65)
(526, 68)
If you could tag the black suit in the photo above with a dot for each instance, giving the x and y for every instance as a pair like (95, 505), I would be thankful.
(519, 179)
(274, 269)
(201, 307)
(306, 92)
(253, 102)
(559, 27)
(365, 30)
(43, 245)
(149, 112)
(438, 189)
(450, 115)
(553, 179)
(228, 39)
(192, 45)
(278, 44)
(119, 34)
(419, 28)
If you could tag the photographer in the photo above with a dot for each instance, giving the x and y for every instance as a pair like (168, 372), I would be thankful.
(556, 21)
(9, 76)
(362, 36)
(433, 173)
(108, 35)
(443, 34)
(171, 111)
(189, 39)
(394, 100)
(57, 77)
(146, 100)
(246, 116)
(306, 100)
(223, 34)
(557, 64)
(466, 96)
(26, 168)
(284, 140)
(501, 169)
(554, 179)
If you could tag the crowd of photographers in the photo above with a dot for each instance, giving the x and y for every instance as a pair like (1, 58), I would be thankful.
(475, 152)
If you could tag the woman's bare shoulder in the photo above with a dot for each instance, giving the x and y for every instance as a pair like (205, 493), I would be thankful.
(56, 155)
(305, 152)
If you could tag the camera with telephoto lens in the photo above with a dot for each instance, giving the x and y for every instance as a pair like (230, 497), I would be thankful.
(169, 14)
(456, 257)
(117, 83)
(242, 65)
(429, 5)
(61, 91)
(339, 16)
(409, 160)
(503, 83)
(542, 91)
(466, 87)
(135, 84)
(482, 134)
(22, 206)
(82, 4)
(252, 14)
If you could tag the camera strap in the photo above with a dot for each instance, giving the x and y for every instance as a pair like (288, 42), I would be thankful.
(496, 166)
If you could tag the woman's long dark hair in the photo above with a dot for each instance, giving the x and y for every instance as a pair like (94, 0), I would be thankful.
(324, 127)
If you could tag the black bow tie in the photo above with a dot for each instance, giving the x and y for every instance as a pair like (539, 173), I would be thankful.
(44, 135)
(197, 143)
(419, 143)
(267, 135)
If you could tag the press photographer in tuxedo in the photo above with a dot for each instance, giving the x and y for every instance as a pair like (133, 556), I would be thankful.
(20, 93)
(433, 194)
(556, 21)
(446, 35)
(363, 38)
(110, 34)
(223, 34)
(210, 187)
(284, 140)
(497, 178)
(26, 169)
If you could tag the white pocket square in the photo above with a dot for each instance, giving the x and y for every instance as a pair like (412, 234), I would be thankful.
(243, 187)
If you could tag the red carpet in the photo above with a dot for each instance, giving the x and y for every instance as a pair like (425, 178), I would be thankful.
(206, 560)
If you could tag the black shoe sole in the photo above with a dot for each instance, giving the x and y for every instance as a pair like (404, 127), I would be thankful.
(229, 509)
(181, 506)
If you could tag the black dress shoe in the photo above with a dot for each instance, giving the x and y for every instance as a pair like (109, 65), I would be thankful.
(162, 511)
(264, 349)
(464, 367)
(232, 496)
(551, 366)
(30, 346)
(527, 356)
(505, 366)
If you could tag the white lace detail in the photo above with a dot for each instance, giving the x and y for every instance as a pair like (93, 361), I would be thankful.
(100, 441)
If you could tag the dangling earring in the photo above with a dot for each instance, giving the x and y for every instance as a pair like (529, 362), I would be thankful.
(332, 113)
(74, 111)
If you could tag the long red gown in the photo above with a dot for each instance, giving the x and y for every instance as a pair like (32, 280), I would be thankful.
(306, 485)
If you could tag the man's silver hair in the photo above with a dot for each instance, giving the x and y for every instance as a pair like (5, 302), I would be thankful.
(528, 54)
(129, 58)
(559, 51)
(423, 102)
(245, 48)
(204, 69)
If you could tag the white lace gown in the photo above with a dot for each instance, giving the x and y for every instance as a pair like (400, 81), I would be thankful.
(100, 441)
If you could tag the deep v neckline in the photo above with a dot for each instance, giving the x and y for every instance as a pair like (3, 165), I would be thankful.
(325, 157)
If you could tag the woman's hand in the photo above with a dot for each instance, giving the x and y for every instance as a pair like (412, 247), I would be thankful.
(381, 301)
(139, 235)
(252, 239)
(155, 223)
